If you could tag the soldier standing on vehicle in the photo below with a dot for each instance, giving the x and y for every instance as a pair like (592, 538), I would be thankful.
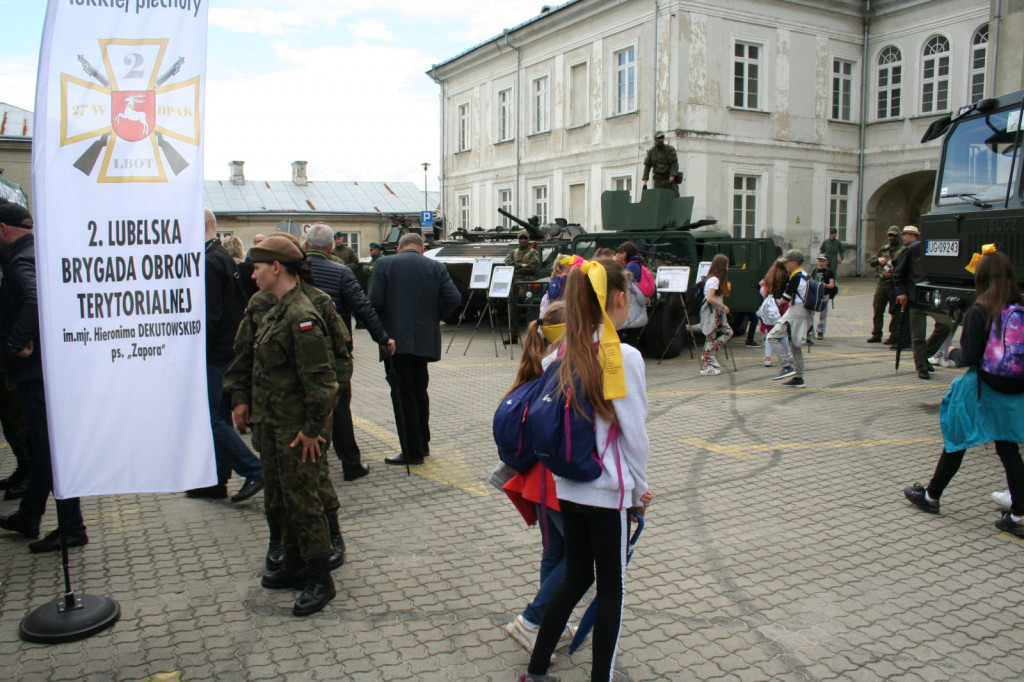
(526, 261)
(661, 159)
(834, 249)
(882, 262)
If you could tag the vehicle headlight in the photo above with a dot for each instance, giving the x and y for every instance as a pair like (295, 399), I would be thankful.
(937, 298)
(529, 294)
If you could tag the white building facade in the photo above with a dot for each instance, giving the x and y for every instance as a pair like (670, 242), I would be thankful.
(789, 116)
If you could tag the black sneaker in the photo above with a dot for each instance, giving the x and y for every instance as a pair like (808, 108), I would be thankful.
(1005, 523)
(751, 344)
(213, 492)
(795, 382)
(786, 371)
(915, 493)
(875, 339)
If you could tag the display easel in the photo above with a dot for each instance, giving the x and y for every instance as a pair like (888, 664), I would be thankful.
(500, 289)
(479, 280)
(675, 280)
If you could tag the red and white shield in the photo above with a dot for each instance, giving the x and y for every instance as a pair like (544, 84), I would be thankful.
(133, 113)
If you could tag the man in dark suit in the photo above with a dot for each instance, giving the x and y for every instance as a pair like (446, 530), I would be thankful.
(411, 294)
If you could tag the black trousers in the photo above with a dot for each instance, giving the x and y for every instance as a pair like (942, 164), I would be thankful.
(1009, 454)
(407, 375)
(344, 434)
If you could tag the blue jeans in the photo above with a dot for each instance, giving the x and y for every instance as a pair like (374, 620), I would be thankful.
(552, 566)
(230, 450)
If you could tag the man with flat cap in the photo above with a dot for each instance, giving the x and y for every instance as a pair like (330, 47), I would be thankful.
(19, 334)
(906, 273)
(882, 262)
(662, 164)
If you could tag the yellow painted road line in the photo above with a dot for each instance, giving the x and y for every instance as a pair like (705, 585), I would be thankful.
(825, 389)
(744, 451)
(445, 465)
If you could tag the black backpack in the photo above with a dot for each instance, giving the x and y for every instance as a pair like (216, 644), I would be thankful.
(695, 299)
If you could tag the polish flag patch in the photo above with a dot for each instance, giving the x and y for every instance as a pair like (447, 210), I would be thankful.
(306, 326)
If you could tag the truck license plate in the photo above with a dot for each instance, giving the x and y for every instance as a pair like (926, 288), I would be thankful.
(942, 247)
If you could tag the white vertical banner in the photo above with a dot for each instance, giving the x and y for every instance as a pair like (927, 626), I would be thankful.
(117, 176)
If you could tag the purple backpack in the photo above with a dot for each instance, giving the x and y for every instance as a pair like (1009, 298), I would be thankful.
(1004, 352)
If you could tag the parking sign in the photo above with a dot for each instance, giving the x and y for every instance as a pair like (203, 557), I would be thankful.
(426, 218)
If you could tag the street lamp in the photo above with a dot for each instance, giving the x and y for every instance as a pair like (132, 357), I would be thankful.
(425, 201)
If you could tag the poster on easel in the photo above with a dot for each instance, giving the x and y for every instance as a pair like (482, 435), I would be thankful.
(501, 281)
(481, 276)
(673, 279)
(703, 268)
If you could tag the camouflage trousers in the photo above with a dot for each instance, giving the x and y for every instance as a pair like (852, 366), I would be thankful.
(295, 491)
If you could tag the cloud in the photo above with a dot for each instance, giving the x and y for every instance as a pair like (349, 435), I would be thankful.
(348, 122)
(262, 17)
(371, 30)
(18, 81)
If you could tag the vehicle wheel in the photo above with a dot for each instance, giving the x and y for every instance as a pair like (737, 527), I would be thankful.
(662, 322)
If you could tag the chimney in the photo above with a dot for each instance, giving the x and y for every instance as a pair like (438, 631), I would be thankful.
(237, 176)
(299, 173)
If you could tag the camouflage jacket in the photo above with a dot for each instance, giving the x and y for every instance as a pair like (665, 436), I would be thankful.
(662, 160)
(526, 261)
(892, 253)
(284, 365)
(345, 255)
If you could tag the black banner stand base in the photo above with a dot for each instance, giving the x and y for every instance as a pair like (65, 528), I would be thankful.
(56, 622)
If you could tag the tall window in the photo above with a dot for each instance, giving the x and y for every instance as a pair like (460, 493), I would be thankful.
(505, 202)
(579, 100)
(890, 82)
(746, 75)
(463, 127)
(351, 239)
(979, 54)
(839, 207)
(505, 120)
(541, 108)
(540, 203)
(935, 76)
(842, 90)
(625, 81)
(744, 206)
(463, 211)
(623, 182)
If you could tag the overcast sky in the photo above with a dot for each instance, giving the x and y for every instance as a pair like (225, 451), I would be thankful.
(337, 83)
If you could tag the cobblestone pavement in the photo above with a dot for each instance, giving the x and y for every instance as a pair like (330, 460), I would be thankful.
(778, 546)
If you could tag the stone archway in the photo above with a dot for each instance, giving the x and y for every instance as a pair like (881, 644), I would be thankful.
(900, 201)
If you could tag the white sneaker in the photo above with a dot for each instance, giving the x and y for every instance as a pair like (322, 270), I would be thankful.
(710, 371)
(566, 639)
(946, 363)
(768, 362)
(526, 637)
(937, 359)
(714, 362)
(1002, 499)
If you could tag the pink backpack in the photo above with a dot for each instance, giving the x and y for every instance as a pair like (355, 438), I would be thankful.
(646, 283)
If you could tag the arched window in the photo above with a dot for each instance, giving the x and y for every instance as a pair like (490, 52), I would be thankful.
(935, 75)
(889, 82)
(979, 62)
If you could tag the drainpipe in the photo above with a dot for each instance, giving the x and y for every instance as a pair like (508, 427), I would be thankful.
(444, 176)
(993, 35)
(518, 108)
(865, 72)
(654, 90)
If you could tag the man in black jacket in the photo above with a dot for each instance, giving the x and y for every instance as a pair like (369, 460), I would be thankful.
(412, 293)
(225, 306)
(341, 284)
(906, 273)
(19, 333)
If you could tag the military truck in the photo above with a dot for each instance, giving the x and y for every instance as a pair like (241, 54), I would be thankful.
(978, 199)
(660, 225)
(459, 252)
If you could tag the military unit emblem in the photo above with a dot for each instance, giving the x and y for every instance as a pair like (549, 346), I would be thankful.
(129, 114)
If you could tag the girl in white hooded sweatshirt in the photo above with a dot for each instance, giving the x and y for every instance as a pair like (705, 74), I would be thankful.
(594, 512)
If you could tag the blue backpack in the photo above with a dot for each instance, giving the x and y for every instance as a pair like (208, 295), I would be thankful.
(817, 296)
(535, 423)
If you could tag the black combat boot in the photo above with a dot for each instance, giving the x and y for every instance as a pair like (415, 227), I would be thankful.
(290, 576)
(337, 558)
(275, 550)
(319, 588)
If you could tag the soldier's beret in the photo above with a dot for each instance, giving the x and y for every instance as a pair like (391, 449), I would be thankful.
(289, 236)
(833, 230)
(339, 233)
(278, 248)
(375, 245)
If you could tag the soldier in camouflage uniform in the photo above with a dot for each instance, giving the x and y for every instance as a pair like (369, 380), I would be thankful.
(343, 253)
(662, 162)
(526, 261)
(882, 263)
(292, 390)
(259, 305)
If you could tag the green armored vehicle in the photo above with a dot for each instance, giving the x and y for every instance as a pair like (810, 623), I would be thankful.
(978, 199)
(660, 225)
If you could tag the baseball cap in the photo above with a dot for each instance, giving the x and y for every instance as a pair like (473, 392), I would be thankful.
(15, 215)
(893, 229)
(792, 254)
(822, 256)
